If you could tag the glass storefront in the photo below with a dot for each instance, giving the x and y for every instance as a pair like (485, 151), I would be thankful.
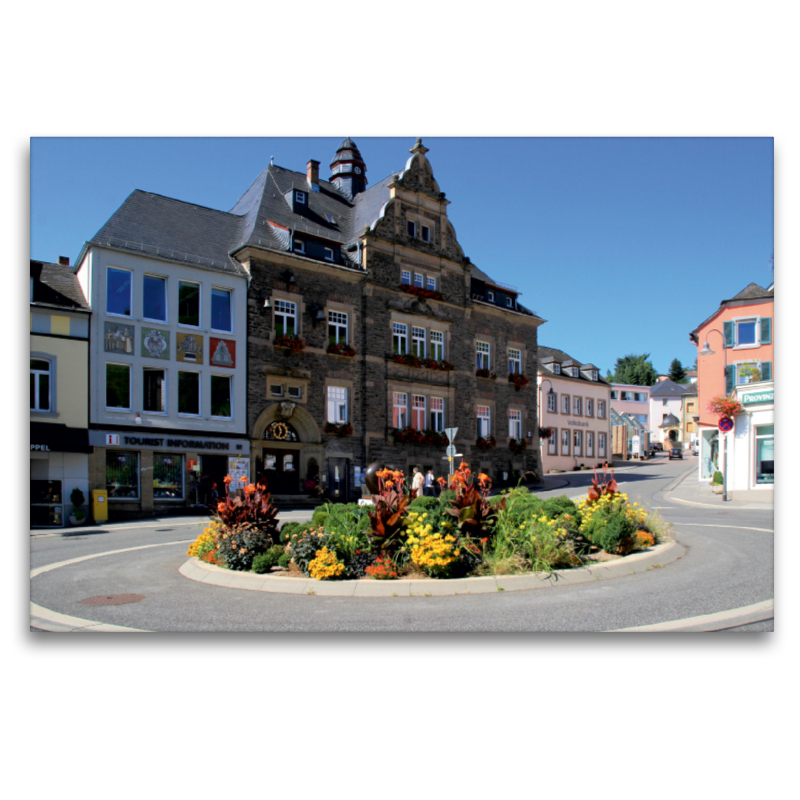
(122, 474)
(47, 510)
(168, 476)
(709, 454)
(765, 454)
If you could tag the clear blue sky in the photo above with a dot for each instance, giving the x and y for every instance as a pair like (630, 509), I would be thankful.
(622, 245)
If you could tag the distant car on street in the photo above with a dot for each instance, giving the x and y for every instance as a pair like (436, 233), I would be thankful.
(657, 446)
(676, 452)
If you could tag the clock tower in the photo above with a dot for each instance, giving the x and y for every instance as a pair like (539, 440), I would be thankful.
(348, 170)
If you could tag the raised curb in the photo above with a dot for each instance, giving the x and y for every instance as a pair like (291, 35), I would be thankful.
(209, 574)
(727, 506)
(730, 618)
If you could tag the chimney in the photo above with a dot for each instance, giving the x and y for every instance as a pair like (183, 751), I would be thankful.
(312, 174)
(63, 261)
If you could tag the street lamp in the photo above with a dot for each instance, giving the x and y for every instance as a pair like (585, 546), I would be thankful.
(707, 351)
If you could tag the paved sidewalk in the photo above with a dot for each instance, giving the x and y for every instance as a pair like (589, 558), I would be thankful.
(687, 490)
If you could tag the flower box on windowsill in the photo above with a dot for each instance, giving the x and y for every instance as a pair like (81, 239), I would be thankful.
(341, 350)
(408, 360)
(338, 429)
(486, 373)
(518, 379)
(487, 443)
(427, 438)
(517, 445)
(288, 341)
(425, 294)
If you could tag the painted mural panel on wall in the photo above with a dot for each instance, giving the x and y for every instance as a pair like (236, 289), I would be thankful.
(189, 347)
(119, 338)
(223, 352)
(155, 343)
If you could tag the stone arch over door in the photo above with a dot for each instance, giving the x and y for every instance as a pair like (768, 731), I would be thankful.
(307, 429)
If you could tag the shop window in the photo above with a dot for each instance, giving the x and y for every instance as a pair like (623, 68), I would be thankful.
(221, 396)
(484, 422)
(40, 385)
(765, 454)
(118, 386)
(515, 424)
(418, 412)
(122, 475)
(400, 338)
(47, 510)
(154, 298)
(119, 292)
(337, 404)
(483, 354)
(221, 312)
(168, 476)
(154, 394)
(399, 409)
(337, 327)
(189, 304)
(514, 361)
(437, 413)
(285, 318)
(418, 341)
(189, 393)
(437, 345)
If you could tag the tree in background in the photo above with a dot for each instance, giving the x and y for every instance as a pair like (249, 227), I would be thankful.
(635, 370)
(676, 371)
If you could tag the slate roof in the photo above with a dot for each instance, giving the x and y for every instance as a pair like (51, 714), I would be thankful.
(547, 354)
(752, 292)
(59, 286)
(668, 388)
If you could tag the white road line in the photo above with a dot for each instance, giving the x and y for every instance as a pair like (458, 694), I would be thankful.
(734, 527)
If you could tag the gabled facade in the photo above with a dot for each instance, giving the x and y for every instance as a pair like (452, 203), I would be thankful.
(632, 400)
(667, 411)
(574, 408)
(59, 392)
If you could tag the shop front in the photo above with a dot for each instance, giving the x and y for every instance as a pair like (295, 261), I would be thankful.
(752, 475)
(163, 472)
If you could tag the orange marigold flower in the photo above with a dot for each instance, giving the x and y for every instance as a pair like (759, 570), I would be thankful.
(249, 489)
(382, 473)
(227, 480)
(220, 507)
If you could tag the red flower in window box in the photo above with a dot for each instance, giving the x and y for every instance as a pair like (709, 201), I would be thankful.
(408, 360)
(486, 443)
(341, 350)
(486, 373)
(338, 429)
(545, 433)
(288, 341)
(426, 294)
(518, 379)
(517, 445)
(427, 438)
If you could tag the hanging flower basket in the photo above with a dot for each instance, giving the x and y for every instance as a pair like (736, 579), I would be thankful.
(425, 294)
(724, 406)
(518, 379)
(486, 373)
(488, 443)
(545, 433)
(341, 350)
(408, 360)
(338, 429)
(288, 341)
(517, 445)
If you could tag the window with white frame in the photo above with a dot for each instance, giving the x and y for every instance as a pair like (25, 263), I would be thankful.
(299, 246)
(154, 298)
(118, 387)
(509, 302)
(300, 197)
(399, 410)
(419, 280)
(483, 352)
(577, 402)
(551, 402)
(40, 384)
(556, 369)
(329, 254)
(189, 304)
(285, 318)
(221, 310)
(437, 345)
(565, 404)
(552, 442)
(748, 372)
(418, 341)
(426, 233)
(431, 283)
(337, 404)
(514, 361)
(578, 443)
(589, 444)
(405, 277)
(745, 331)
(418, 412)
(484, 422)
(221, 405)
(601, 445)
(490, 296)
(154, 391)
(564, 442)
(119, 292)
(437, 413)
(601, 409)
(337, 327)
(589, 407)
(514, 424)
(594, 375)
(296, 392)
(400, 338)
(765, 454)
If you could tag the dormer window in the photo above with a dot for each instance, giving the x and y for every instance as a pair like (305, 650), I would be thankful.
(557, 369)
(509, 302)
(412, 229)
(300, 198)
(490, 296)
(299, 246)
(426, 233)
(594, 374)
(576, 373)
(329, 254)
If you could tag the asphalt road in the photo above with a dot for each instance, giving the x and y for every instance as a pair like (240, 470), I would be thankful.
(725, 566)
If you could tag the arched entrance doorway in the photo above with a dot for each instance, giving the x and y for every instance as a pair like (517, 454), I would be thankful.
(286, 448)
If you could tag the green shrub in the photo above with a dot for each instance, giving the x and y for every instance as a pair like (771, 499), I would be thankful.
(717, 479)
(266, 561)
(556, 506)
(288, 528)
(284, 560)
(423, 503)
(617, 535)
(320, 515)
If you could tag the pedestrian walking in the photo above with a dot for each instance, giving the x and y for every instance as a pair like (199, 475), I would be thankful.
(418, 482)
(429, 484)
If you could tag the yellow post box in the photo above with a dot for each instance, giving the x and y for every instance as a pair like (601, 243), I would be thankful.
(100, 505)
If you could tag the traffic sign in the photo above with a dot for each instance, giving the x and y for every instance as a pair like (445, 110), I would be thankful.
(451, 450)
(450, 433)
(725, 424)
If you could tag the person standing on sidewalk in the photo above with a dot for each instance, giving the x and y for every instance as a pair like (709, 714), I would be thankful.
(429, 484)
(418, 482)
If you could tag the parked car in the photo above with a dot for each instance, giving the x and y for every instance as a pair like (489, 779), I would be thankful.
(676, 452)
(657, 446)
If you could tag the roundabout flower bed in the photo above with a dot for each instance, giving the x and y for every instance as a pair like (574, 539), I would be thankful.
(463, 532)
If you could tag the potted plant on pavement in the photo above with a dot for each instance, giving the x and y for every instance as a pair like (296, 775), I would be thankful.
(716, 483)
(78, 515)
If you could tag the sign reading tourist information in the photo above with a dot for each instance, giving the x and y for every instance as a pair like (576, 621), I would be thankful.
(725, 424)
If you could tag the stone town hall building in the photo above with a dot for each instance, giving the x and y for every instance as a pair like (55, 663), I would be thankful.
(368, 330)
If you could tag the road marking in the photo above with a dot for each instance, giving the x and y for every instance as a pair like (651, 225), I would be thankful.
(735, 527)
(748, 614)
(114, 529)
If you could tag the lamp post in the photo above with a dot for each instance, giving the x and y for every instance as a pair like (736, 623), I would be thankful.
(707, 351)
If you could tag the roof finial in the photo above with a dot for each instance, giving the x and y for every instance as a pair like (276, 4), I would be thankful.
(419, 147)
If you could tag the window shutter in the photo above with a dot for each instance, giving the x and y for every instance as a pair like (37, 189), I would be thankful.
(766, 330)
(729, 373)
(727, 329)
(766, 370)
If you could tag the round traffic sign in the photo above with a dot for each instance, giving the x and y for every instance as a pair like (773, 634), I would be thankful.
(451, 450)
(725, 424)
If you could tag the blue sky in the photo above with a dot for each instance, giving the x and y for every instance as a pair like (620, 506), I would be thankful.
(623, 245)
